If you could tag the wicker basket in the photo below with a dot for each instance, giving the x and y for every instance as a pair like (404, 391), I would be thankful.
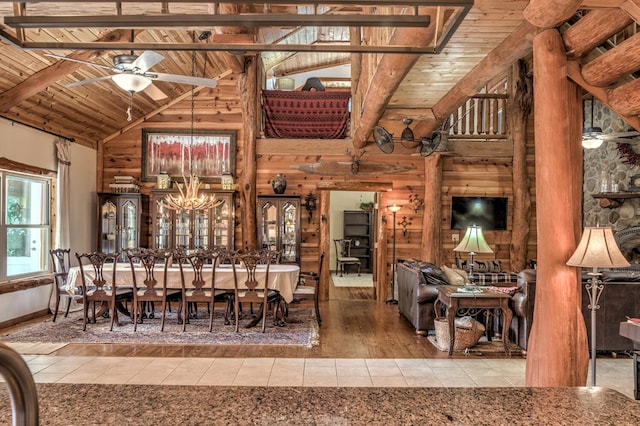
(466, 337)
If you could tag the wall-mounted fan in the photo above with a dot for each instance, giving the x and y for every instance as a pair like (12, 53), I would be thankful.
(384, 139)
(131, 72)
(436, 141)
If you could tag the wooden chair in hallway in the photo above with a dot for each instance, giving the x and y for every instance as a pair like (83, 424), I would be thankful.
(61, 262)
(310, 292)
(343, 255)
(148, 291)
(100, 286)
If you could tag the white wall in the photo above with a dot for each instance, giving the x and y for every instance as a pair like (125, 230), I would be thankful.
(339, 201)
(33, 147)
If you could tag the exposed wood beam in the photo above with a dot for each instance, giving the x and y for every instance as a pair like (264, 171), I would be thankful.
(573, 71)
(632, 7)
(550, 13)
(389, 73)
(517, 45)
(626, 98)
(349, 186)
(448, 3)
(614, 64)
(159, 110)
(593, 29)
(416, 114)
(49, 75)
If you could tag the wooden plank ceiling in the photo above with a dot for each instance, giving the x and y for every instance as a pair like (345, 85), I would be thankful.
(33, 87)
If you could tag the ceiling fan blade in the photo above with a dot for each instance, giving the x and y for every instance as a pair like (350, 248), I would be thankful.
(146, 60)
(155, 93)
(617, 135)
(90, 80)
(80, 61)
(183, 79)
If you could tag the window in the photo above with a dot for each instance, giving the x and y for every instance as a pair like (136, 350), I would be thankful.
(26, 226)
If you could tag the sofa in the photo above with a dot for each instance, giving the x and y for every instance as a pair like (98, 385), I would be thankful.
(620, 298)
(417, 286)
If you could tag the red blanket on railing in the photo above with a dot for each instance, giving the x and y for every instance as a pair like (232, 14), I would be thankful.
(305, 114)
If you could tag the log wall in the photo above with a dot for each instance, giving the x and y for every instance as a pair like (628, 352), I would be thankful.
(219, 109)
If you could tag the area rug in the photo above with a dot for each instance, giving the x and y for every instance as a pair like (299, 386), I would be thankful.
(352, 280)
(482, 347)
(301, 329)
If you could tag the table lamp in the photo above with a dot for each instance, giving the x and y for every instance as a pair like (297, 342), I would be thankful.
(472, 243)
(597, 249)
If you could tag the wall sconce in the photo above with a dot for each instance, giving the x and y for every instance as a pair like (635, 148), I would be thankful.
(310, 204)
(404, 223)
(416, 201)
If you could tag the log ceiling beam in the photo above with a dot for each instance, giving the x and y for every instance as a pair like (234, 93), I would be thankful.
(594, 29)
(574, 73)
(632, 7)
(389, 73)
(550, 13)
(51, 74)
(614, 64)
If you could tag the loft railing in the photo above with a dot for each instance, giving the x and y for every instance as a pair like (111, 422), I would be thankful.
(482, 117)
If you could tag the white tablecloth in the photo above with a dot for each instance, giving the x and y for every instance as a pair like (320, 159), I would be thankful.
(282, 277)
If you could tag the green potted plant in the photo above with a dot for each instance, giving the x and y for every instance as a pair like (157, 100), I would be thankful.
(368, 206)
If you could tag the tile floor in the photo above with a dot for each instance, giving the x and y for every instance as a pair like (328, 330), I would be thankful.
(614, 373)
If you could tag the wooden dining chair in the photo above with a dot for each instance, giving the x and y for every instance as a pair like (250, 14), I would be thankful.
(195, 289)
(248, 288)
(343, 255)
(310, 292)
(148, 291)
(61, 262)
(98, 288)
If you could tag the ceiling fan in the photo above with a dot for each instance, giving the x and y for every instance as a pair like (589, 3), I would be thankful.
(436, 141)
(131, 72)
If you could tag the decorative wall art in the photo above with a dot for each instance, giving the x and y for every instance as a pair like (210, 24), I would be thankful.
(206, 154)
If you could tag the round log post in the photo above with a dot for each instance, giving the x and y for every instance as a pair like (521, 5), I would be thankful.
(431, 244)
(557, 349)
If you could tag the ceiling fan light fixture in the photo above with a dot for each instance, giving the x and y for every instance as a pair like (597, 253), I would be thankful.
(131, 82)
(592, 137)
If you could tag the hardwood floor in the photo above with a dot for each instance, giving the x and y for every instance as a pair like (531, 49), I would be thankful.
(353, 326)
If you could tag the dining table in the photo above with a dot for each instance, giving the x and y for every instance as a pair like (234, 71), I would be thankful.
(282, 277)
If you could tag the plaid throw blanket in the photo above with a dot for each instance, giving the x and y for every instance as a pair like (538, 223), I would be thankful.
(486, 278)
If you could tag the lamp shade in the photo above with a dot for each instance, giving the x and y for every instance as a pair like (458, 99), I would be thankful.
(394, 208)
(131, 82)
(473, 241)
(598, 249)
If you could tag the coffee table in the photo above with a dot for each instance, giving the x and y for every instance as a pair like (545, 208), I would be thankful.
(455, 297)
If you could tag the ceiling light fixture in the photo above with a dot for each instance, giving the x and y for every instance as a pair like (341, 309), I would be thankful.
(132, 83)
(592, 137)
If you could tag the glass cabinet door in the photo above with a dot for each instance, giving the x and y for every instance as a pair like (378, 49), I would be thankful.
(201, 229)
(222, 225)
(279, 226)
(289, 244)
(162, 227)
(129, 225)
(108, 225)
(269, 226)
(183, 229)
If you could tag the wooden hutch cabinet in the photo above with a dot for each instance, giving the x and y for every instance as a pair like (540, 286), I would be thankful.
(192, 229)
(358, 228)
(121, 222)
(279, 225)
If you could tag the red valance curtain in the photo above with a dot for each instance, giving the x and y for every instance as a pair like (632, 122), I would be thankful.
(305, 114)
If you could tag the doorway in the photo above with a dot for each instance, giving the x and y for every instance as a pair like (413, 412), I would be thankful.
(352, 216)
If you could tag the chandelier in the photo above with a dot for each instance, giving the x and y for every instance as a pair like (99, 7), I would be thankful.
(189, 198)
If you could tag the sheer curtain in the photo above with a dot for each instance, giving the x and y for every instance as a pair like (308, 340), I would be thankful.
(63, 239)
(63, 196)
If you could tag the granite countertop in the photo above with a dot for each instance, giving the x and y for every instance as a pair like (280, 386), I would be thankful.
(73, 404)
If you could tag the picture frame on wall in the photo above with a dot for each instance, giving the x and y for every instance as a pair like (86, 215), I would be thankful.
(207, 154)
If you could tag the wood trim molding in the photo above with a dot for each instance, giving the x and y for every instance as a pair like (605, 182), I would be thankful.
(25, 284)
(16, 166)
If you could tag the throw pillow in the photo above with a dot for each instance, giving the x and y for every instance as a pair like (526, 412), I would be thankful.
(454, 276)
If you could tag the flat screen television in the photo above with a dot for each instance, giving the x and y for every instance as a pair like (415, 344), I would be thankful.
(487, 212)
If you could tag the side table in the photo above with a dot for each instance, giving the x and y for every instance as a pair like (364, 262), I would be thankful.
(455, 297)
